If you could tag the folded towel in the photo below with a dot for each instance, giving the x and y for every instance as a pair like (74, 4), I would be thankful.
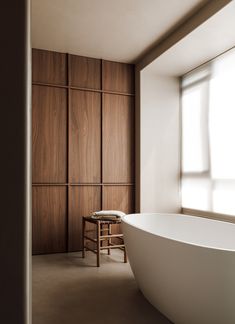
(116, 213)
(106, 218)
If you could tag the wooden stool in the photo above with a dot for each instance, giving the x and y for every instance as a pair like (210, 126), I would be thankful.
(101, 227)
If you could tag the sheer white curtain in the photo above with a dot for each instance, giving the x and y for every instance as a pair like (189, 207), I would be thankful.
(208, 137)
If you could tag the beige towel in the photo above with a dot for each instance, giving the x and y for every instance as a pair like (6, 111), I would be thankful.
(116, 213)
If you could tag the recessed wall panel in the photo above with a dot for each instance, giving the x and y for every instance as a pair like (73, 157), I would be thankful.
(118, 138)
(49, 124)
(49, 67)
(118, 198)
(85, 72)
(49, 221)
(118, 77)
(85, 137)
(83, 200)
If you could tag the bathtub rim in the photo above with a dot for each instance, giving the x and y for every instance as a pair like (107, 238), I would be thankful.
(123, 219)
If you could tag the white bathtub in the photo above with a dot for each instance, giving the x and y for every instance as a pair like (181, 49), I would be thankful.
(184, 265)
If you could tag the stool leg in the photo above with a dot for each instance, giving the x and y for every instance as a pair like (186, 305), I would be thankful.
(98, 243)
(109, 240)
(83, 238)
(125, 255)
(101, 229)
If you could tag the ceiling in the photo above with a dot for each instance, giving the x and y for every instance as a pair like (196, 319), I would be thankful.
(118, 30)
(210, 39)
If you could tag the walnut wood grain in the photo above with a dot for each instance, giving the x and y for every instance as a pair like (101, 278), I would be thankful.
(49, 221)
(118, 198)
(118, 138)
(82, 202)
(49, 122)
(85, 137)
(118, 77)
(85, 72)
(94, 172)
(49, 67)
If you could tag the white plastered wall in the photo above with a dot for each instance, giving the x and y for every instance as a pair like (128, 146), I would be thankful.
(160, 143)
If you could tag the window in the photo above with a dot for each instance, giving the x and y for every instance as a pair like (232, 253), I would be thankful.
(208, 137)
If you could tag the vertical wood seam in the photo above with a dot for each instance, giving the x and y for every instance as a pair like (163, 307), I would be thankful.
(68, 126)
(101, 131)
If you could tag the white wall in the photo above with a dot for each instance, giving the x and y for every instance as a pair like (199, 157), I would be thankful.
(159, 143)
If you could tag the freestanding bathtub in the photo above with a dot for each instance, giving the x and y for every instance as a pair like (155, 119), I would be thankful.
(184, 265)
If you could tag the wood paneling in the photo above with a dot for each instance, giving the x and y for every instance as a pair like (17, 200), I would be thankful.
(118, 139)
(49, 123)
(85, 72)
(49, 219)
(119, 198)
(85, 137)
(118, 77)
(83, 200)
(49, 67)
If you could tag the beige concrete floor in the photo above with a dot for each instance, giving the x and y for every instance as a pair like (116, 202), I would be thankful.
(70, 290)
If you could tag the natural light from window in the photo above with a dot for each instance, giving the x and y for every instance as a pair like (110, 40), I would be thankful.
(208, 137)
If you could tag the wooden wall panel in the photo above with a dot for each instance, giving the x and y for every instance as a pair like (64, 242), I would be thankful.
(118, 139)
(85, 72)
(49, 221)
(49, 123)
(83, 200)
(119, 198)
(118, 77)
(85, 137)
(97, 142)
(49, 67)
